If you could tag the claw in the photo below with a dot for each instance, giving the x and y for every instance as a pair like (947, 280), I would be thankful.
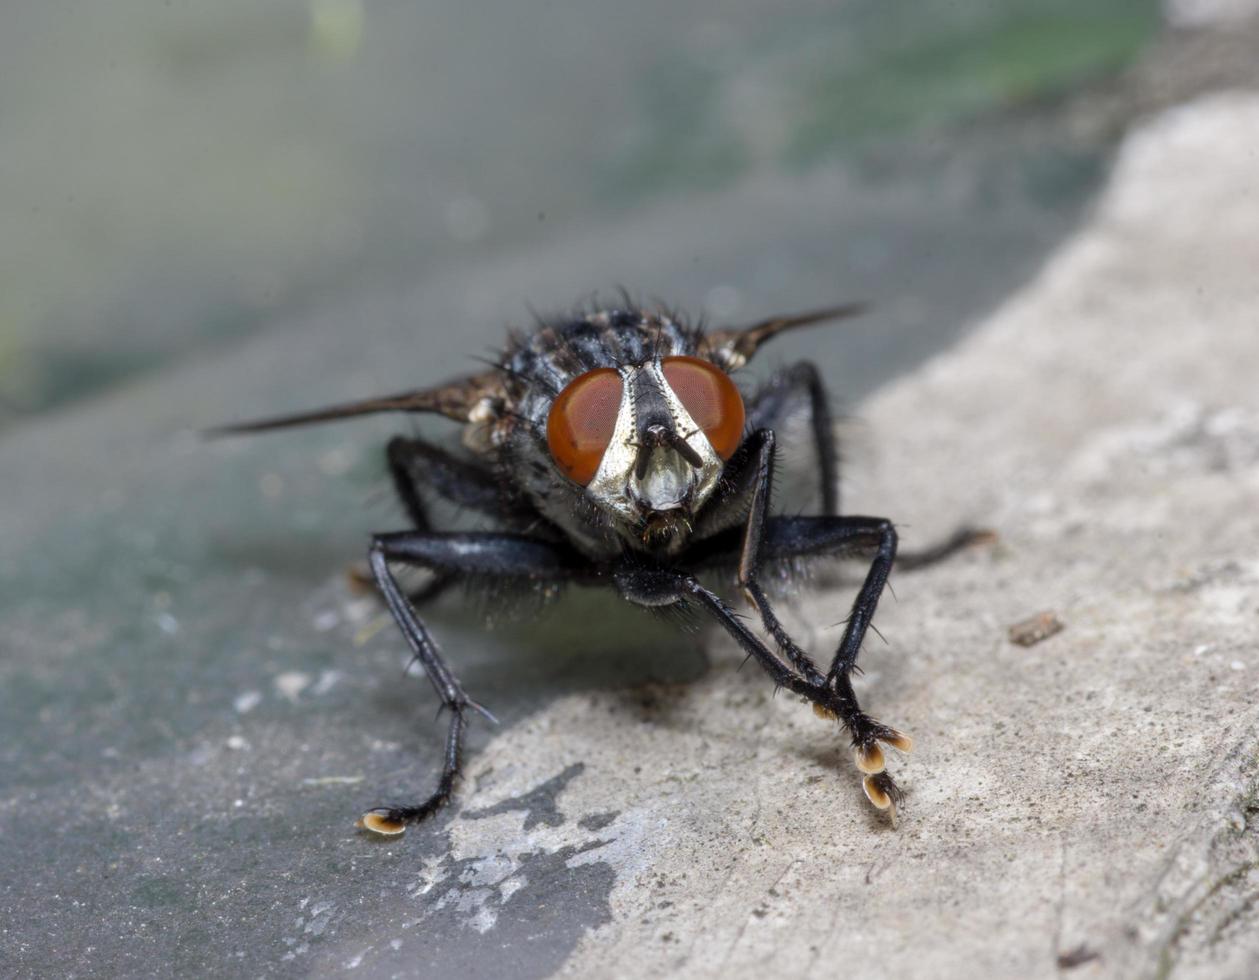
(825, 713)
(899, 741)
(381, 821)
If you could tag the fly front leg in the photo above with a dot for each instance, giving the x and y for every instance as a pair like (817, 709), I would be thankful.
(800, 387)
(416, 465)
(417, 468)
(485, 555)
(846, 533)
(663, 587)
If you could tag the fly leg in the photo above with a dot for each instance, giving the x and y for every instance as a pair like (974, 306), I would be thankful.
(416, 465)
(487, 555)
(841, 534)
(787, 666)
(780, 397)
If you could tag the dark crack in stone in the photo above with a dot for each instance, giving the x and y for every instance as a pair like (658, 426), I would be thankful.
(538, 803)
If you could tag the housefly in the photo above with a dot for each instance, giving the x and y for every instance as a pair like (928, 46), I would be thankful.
(614, 448)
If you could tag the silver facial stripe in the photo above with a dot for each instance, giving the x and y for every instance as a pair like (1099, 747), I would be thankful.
(610, 488)
(684, 425)
(611, 478)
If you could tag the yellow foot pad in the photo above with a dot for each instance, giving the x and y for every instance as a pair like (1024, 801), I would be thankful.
(877, 795)
(379, 822)
(869, 758)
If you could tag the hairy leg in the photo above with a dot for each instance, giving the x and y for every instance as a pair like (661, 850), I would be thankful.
(832, 534)
(417, 466)
(663, 587)
(782, 395)
(485, 555)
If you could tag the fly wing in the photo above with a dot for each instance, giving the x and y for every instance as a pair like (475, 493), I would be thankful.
(732, 348)
(456, 400)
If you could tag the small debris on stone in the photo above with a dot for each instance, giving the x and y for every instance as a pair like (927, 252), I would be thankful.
(1077, 957)
(1035, 629)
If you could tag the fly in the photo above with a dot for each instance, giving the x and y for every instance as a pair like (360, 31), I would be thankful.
(614, 448)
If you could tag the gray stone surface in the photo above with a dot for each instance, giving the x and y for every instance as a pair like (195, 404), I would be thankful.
(195, 705)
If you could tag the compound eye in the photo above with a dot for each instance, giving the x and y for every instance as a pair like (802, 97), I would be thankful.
(710, 396)
(582, 421)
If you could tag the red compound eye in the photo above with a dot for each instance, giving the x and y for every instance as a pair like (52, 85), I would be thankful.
(582, 421)
(710, 396)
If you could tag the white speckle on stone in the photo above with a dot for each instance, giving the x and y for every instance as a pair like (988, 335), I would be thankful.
(326, 620)
(327, 681)
(237, 743)
(246, 702)
(320, 917)
(488, 871)
(238, 803)
(484, 919)
(358, 610)
(291, 683)
(354, 961)
(335, 462)
(1237, 665)
(167, 623)
(1202, 648)
(395, 944)
(509, 886)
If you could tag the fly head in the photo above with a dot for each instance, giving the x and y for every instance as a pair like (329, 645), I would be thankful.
(657, 435)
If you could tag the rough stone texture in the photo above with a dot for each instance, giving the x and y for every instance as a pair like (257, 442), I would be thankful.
(1090, 798)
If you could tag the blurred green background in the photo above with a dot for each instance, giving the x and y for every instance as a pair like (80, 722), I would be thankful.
(174, 175)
